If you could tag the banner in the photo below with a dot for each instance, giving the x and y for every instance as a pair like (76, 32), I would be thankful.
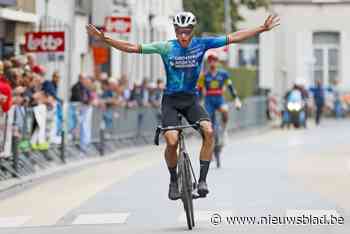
(118, 24)
(44, 42)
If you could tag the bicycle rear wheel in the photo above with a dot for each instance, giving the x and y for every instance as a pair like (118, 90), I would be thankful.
(217, 155)
(186, 188)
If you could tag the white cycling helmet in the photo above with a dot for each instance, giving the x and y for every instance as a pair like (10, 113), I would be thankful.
(184, 19)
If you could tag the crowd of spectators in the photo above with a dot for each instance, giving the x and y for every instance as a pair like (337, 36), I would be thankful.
(23, 82)
(106, 92)
(26, 82)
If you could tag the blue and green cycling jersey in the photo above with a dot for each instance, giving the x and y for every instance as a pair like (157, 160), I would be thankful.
(183, 65)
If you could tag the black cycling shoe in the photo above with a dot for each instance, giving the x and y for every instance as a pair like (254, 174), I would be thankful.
(174, 193)
(202, 189)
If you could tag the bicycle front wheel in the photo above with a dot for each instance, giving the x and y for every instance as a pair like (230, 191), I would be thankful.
(187, 198)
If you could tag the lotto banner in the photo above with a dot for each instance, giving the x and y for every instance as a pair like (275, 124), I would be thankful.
(117, 24)
(44, 42)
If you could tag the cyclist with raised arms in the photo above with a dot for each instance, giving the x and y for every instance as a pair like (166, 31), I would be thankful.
(212, 84)
(182, 60)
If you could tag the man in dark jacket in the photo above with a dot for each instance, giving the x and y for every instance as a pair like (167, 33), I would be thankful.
(318, 93)
(80, 93)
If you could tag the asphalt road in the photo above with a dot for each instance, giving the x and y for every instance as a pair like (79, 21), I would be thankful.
(267, 176)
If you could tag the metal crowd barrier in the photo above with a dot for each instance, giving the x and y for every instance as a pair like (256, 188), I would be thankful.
(36, 138)
(252, 113)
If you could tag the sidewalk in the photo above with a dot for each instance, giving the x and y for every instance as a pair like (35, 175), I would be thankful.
(14, 184)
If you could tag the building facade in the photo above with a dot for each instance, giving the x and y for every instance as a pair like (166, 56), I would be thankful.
(70, 17)
(151, 21)
(311, 43)
(16, 17)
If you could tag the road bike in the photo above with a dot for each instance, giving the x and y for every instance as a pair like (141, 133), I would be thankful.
(186, 180)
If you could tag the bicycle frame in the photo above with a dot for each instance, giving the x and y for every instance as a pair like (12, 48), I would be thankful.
(183, 152)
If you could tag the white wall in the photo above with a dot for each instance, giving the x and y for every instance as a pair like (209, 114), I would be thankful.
(56, 8)
(80, 46)
(267, 60)
(76, 42)
(345, 58)
(312, 18)
(292, 41)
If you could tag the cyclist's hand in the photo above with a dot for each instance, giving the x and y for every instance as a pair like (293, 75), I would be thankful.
(238, 104)
(94, 32)
(271, 22)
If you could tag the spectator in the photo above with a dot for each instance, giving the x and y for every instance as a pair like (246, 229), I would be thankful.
(39, 101)
(156, 94)
(318, 93)
(140, 95)
(33, 66)
(80, 91)
(56, 115)
(56, 80)
(338, 109)
(94, 93)
(5, 91)
(49, 89)
(107, 96)
(125, 88)
(8, 72)
(156, 98)
(118, 91)
(140, 98)
(107, 102)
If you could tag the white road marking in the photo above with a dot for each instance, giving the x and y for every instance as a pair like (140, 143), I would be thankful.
(10, 222)
(206, 215)
(294, 142)
(107, 218)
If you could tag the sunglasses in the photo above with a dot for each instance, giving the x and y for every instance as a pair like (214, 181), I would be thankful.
(187, 31)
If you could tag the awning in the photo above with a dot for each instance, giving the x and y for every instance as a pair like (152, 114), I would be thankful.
(19, 16)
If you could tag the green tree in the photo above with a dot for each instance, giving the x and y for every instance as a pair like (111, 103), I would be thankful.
(210, 13)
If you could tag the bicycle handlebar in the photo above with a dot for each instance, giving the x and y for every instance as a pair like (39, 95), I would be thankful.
(179, 128)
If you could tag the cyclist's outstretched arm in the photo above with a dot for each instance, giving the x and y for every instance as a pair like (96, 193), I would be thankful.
(270, 23)
(121, 45)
